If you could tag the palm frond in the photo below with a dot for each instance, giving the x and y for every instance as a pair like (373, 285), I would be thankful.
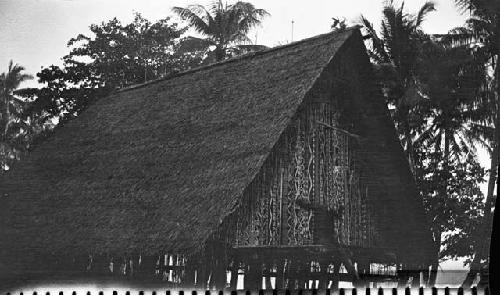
(391, 30)
(480, 26)
(196, 16)
(423, 12)
(481, 135)
(427, 135)
(13, 78)
(248, 22)
(467, 141)
(478, 6)
(216, 7)
(377, 50)
(225, 25)
(464, 5)
(246, 16)
(486, 132)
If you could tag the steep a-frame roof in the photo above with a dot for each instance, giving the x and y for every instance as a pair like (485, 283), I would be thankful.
(159, 166)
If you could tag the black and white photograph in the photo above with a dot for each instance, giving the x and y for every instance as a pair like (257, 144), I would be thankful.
(246, 146)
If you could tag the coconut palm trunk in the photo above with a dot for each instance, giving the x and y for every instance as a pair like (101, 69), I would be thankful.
(435, 262)
(484, 231)
(7, 116)
(484, 234)
(220, 53)
(409, 148)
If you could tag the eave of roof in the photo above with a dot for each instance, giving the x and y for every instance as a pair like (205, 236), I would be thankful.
(158, 166)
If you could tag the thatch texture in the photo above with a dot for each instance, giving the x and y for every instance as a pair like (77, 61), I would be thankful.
(158, 167)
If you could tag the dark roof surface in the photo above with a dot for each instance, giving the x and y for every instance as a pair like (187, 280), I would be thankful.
(158, 167)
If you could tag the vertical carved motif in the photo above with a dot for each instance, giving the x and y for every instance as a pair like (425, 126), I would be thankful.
(299, 232)
(315, 160)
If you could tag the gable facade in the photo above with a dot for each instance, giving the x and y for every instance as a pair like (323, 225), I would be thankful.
(215, 159)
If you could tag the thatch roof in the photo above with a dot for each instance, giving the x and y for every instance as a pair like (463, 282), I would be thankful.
(159, 166)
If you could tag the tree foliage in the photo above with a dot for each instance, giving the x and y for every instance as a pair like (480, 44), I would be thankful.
(453, 215)
(225, 26)
(113, 56)
(433, 88)
(481, 35)
(395, 52)
(13, 127)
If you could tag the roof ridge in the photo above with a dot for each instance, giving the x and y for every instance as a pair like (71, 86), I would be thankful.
(234, 59)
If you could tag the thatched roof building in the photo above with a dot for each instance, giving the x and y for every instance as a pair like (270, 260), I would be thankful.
(162, 167)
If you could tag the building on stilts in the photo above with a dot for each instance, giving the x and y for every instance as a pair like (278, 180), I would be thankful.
(216, 178)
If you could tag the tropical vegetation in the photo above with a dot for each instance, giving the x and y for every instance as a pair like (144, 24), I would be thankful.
(13, 128)
(224, 26)
(443, 92)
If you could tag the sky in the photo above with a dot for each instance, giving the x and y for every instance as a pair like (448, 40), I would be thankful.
(34, 33)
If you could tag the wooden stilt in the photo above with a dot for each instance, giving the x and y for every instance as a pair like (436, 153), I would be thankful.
(403, 278)
(268, 277)
(219, 273)
(280, 275)
(302, 274)
(325, 276)
(363, 272)
(336, 275)
(290, 275)
(427, 276)
(190, 274)
(414, 272)
(202, 272)
(253, 277)
(234, 274)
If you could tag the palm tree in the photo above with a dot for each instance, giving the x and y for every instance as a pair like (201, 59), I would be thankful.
(225, 26)
(10, 108)
(482, 34)
(450, 79)
(396, 53)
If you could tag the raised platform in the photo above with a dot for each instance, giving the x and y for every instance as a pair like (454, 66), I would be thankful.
(359, 254)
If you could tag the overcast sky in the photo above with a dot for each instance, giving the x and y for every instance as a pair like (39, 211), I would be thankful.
(34, 33)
